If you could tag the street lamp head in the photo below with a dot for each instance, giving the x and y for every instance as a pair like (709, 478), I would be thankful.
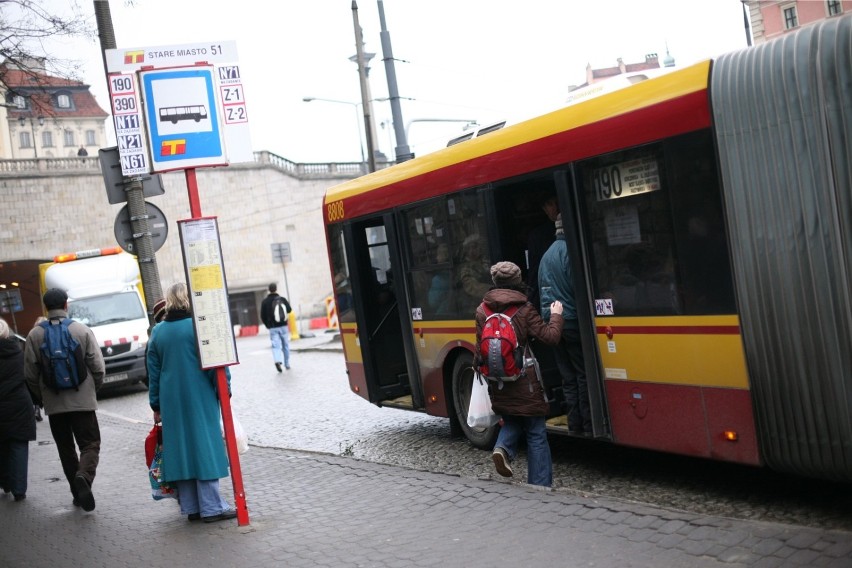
(21, 120)
(41, 120)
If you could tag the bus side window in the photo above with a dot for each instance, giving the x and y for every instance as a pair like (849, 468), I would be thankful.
(656, 226)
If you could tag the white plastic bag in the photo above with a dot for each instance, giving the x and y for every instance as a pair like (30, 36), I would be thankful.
(239, 434)
(479, 413)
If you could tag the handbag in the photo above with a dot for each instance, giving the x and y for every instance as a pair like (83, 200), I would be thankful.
(479, 412)
(155, 435)
(159, 489)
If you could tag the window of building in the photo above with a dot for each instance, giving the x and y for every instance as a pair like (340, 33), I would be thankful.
(791, 18)
(47, 139)
(90, 138)
(25, 139)
(19, 101)
(68, 137)
(63, 100)
(833, 7)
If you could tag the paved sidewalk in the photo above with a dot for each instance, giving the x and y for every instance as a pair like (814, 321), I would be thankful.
(320, 510)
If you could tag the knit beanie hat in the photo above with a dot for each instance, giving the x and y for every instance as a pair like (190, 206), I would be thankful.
(559, 230)
(506, 274)
(159, 310)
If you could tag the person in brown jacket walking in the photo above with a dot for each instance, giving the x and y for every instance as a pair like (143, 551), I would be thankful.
(522, 403)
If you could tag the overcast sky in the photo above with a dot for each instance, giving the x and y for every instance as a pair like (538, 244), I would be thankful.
(483, 60)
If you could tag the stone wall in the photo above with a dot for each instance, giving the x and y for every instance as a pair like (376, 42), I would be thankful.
(50, 208)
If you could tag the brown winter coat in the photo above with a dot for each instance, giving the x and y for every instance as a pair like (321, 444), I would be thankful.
(524, 397)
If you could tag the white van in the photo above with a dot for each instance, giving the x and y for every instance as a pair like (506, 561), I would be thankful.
(105, 293)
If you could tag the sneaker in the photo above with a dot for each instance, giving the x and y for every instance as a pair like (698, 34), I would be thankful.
(84, 493)
(193, 517)
(224, 515)
(278, 367)
(501, 462)
(287, 367)
(20, 497)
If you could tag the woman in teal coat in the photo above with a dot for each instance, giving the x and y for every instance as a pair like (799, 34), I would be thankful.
(184, 397)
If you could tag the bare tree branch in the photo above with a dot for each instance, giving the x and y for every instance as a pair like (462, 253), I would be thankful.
(26, 29)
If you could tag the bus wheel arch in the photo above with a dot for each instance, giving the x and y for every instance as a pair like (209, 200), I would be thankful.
(460, 381)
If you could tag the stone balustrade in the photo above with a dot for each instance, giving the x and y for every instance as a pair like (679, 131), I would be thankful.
(89, 164)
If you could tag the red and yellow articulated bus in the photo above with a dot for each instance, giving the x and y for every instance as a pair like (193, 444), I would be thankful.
(708, 214)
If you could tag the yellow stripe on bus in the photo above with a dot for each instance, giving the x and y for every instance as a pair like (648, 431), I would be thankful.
(698, 350)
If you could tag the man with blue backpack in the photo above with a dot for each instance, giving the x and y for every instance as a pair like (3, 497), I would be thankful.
(64, 369)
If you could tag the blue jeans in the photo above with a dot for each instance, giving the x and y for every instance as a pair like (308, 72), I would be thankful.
(280, 337)
(539, 464)
(200, 496)
(14, 456)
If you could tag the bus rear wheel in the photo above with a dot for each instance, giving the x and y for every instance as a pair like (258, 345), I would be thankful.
(482, 438)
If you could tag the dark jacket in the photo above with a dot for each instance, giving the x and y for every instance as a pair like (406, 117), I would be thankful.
(267, 311)
(17, 416)
(524, 397)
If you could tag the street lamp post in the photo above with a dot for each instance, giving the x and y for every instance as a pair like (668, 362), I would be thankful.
(357, 121)
(23, 121)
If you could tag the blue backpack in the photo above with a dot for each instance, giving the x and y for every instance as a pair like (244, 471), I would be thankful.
(63, 361)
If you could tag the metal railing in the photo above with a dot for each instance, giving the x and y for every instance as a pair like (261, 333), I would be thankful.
(91, 164)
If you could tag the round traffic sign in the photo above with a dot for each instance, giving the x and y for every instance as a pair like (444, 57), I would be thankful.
(157, 225)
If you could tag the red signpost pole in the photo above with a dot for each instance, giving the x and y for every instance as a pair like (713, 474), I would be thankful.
(222, 387)
(192, 189)
(231, 444)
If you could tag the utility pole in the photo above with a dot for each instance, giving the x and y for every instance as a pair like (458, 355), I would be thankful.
(136, 208)
(402, 151)
(365, 91)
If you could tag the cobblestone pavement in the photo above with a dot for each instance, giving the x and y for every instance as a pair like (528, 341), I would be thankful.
(310, 509)
(311, 408)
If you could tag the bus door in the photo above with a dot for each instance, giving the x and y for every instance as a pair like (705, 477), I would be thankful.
(375, 266)
(569, 205)
(523, 234)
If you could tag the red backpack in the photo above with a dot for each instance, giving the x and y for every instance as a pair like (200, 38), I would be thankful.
(500, 355)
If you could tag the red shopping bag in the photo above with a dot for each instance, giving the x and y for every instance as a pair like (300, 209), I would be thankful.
(155, 436)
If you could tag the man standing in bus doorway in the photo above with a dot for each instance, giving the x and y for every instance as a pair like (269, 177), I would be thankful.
(271, 310)
(556, 283)
(539, 240)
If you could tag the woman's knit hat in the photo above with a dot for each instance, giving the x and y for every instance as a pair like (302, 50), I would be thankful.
(159, 310)
(505, 274)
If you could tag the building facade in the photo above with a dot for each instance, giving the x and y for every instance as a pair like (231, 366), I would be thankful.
(772, 18)
(43, 116)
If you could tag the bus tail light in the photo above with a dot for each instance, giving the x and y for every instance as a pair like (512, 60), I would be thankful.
(730, 435)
